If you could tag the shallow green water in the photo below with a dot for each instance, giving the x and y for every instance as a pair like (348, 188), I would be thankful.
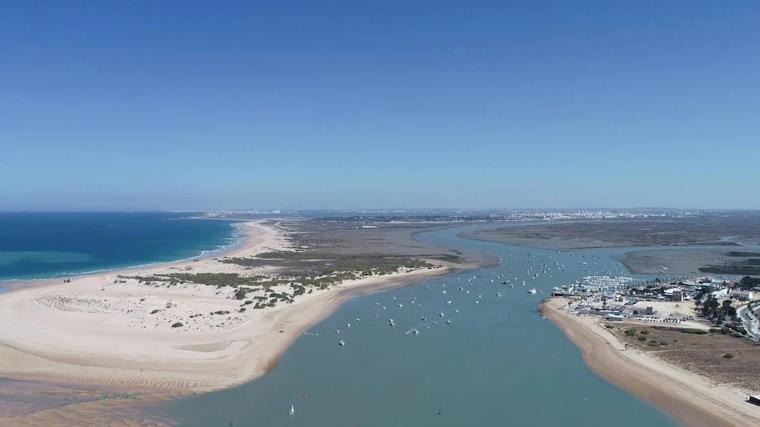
(497, 364)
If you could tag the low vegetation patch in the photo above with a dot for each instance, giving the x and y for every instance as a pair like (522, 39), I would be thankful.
(682, 330)
(322, 264)
(305, 271)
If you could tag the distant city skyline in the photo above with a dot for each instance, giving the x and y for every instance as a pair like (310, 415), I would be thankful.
(311, 105)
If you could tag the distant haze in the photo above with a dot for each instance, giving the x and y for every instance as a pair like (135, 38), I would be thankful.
(424, 104)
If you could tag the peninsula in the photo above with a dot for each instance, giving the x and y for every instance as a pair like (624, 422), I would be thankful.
(205, 323)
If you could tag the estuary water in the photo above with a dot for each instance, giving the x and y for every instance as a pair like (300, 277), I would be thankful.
(36, 245)
(482, 356)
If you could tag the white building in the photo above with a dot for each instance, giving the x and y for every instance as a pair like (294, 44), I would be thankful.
(741, 295)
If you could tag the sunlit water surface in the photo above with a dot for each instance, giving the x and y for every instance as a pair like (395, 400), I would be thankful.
(497, 362)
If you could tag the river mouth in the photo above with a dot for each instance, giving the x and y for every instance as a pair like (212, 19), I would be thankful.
(446, 351)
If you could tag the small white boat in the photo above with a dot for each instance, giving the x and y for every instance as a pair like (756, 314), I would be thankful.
(532, 290)
(292, 410)
(341, 343)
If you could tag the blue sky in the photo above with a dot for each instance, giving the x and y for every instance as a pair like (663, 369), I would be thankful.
(379, 104)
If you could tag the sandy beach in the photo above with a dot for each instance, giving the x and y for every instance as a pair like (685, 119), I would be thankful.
(690, 398)
(105, 330)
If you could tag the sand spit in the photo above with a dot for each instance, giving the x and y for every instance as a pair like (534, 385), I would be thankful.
(118, 333)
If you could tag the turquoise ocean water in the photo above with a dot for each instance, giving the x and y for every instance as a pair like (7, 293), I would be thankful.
(35, 245)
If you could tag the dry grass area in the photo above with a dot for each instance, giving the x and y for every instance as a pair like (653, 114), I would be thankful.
(724, 228)
(344, 237)
(723, 358)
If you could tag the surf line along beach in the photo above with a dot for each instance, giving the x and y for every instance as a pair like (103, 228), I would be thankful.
(687, 396)
(111, 329)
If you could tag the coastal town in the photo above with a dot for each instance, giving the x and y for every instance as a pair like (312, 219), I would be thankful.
(699, 303)
(705, 325)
